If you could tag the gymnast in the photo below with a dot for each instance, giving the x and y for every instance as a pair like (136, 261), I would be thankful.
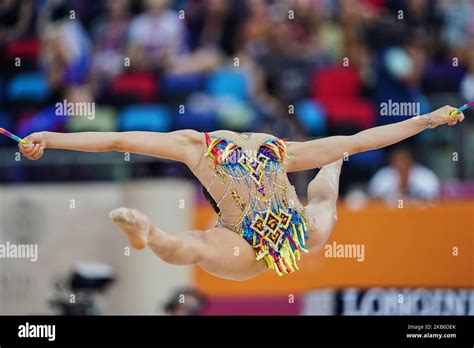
(261, 223)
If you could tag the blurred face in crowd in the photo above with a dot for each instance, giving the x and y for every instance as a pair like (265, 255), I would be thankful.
(470, 56)
(417, 53)
(256, 7)
(117, 8)
(278, 37)
(401, 161)
(418, 7)
(156, 7)
(217, 6)
(350, 11)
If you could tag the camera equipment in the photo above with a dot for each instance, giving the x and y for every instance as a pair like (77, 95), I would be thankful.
(76, 294)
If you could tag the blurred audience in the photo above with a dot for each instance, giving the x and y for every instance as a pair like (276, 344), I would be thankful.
(66, 47)
(157, 36)
(296, 68)
(109, 34)
(16, 19)
(467, 84)
(404, 179)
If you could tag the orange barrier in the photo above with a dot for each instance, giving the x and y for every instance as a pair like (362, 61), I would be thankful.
(416, 246)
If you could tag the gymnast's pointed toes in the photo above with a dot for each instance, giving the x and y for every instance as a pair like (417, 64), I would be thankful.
(336, 164)
(122, 215)
(135, 224)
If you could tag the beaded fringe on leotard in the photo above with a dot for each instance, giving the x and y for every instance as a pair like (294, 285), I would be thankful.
(280, 248)
(279, 232)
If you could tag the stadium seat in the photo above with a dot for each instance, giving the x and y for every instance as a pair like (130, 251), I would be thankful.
(20, 56)
(437, 100)
(370, 159)
(135, 85)
(440, 160)
(470, 150)
(145, 117)
(28, 86)
(200, 115)
(236, 114)
(228, 82)
(311, 116)
(338, 89)
(2, 90)
(335, 82)
(457, 190)
(5, 122)
(177, 85)
(105, 120)
(44, 120)
(352, 111)
(27, 48)
(440, 76)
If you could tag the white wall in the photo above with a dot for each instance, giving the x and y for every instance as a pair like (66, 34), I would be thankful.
(45, 214)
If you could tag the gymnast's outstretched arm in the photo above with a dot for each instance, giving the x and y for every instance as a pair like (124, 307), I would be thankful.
(182, 145)
(317, 153)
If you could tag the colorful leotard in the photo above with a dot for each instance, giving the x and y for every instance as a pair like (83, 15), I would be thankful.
(255, 180)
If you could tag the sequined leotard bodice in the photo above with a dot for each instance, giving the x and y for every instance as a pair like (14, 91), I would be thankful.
(254, 197)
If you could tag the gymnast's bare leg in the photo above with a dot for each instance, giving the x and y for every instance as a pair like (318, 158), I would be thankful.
(219, 251)
(321, 212)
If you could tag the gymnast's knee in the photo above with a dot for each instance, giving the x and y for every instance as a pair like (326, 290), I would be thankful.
(190, 249)
(320, 192)
(321, 227)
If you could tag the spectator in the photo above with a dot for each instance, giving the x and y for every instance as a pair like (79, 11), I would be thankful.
(67, 49)
(467, 84)
(399, 75)
(157, 36)
(404, 179)
(214, 24)
(110, 37)
(16, 18)
(255, 27)
(457, 16)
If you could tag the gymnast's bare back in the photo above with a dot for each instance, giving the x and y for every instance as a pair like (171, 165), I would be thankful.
(261, 222)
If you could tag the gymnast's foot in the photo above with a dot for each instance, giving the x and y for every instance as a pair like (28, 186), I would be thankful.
(332, 169)
(329, 175)
(135, 224)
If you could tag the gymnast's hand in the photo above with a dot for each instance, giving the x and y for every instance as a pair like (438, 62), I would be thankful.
(34, 149)
(443, 116)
